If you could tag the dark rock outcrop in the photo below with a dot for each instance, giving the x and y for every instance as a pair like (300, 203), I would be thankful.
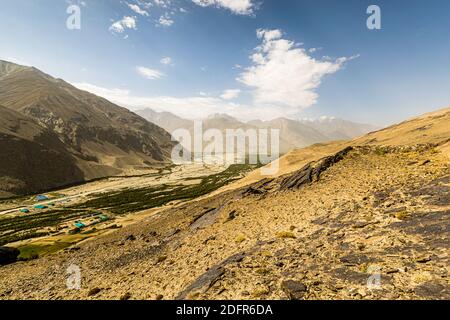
(312, 171)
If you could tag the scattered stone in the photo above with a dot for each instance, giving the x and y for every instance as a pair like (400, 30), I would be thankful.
(361, 247)
(423, 259)
(159, 297)
(254, 191)
(362, 292)
(433, 290)
(262, 290)
(231, 216)
(126, 296)
(161, 259)
(212, 238)
(355, 259)
(353, 292)
(391, 271)
(130, 238)
(346, 274)
(262, 271)
(336, 288)
(401, 215)
(285, 235)
(360, 225)
(295, 290)
(94, 291)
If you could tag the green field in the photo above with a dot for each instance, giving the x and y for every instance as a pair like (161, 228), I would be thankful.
(29, 226)
(133, 200)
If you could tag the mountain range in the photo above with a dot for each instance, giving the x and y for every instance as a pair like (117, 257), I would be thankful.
(53, 134)
(293, 133)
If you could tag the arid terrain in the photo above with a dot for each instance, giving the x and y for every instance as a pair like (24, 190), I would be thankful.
(337, 216)
(53, 135)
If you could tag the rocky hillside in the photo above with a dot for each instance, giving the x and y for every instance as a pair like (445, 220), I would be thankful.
(339, 216)
(103, 138)
(29, 154)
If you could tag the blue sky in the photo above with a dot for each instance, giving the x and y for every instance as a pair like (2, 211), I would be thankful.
(251, 59)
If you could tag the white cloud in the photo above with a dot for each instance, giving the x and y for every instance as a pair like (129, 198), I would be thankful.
(196, 107)
(243, 7)
(230, 94)
(166, 61)
(165, 21)
(121, 25)
(283, 74)
(269, 35)
(162, 3)
(138, 9)
(148, 73)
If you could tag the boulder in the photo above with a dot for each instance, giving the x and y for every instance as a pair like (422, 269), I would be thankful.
(295, 290)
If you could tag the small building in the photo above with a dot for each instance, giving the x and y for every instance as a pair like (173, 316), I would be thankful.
(40, 207)
(41, 197)
(103, 218)
(80, 225)
(24, 210)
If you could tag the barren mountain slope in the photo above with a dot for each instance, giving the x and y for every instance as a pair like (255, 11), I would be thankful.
(89, 124)
(30, 155)
(429, 128)
(321, 231)
(166, 120)
(339, 129)
(104, 138)
(432, 127)
(294, 134)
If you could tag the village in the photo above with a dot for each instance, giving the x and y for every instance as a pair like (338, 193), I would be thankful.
(46, 223)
